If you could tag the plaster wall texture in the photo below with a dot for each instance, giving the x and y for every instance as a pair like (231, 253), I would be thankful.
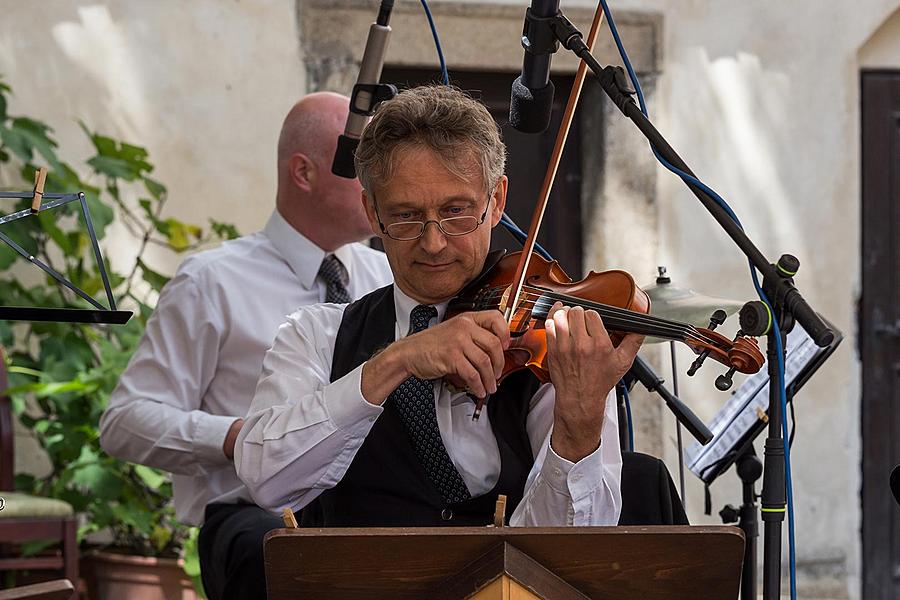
(203, 86)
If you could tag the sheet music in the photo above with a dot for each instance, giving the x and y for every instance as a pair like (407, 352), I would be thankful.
(743, 409)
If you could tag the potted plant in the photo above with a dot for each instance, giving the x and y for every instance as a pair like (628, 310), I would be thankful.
(61, 375)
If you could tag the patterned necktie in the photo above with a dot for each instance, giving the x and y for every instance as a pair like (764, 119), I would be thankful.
(414, 400)
(334, 274)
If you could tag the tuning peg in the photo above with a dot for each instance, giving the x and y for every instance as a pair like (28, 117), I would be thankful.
(724, 381)
(715, 320)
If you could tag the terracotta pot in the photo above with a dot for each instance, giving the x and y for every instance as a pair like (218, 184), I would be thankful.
(111, 576)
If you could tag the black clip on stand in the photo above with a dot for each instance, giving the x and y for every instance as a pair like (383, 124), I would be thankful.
(787, 301)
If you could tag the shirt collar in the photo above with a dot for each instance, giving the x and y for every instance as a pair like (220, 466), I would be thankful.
(302, 254)
(403, 306)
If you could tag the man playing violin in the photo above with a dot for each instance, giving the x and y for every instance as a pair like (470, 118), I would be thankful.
(355, 419)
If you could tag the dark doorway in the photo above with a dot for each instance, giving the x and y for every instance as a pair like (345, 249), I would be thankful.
(879, 328)
(561, 233)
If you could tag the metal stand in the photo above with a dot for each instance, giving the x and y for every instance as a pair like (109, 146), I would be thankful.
(749, 469)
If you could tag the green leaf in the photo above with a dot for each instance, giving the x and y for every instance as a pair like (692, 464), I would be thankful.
(114, 167)
(153, 478)
(23, 232)
(36, 136)
(141, 520)
(160, 537)
(100, 481)
(224, 231)
(156, 280)
(179, 234)
(156, 189)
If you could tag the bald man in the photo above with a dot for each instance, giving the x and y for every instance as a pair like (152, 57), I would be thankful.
(178, 405)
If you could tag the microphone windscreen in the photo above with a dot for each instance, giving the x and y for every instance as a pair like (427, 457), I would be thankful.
(343, 166)
(529, 110)
(895, 483)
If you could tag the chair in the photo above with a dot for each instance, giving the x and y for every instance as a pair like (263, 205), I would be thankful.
(26, 518)
(58, 589)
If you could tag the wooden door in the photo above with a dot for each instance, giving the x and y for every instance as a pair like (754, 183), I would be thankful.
(880, 331)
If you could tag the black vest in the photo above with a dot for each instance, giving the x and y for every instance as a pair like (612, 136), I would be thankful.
(386, 484)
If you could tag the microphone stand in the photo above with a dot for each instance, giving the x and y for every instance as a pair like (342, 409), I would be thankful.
(641, 371)
(787, 302)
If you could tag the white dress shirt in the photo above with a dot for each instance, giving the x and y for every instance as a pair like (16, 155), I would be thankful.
(302, 432)
(197, 365)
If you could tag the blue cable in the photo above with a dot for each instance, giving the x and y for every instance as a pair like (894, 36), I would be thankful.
(778, 345)
(437, 43)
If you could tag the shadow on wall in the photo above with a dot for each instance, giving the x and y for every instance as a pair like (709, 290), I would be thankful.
(739, 106)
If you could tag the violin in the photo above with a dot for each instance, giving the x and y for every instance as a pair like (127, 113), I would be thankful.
(623, 306)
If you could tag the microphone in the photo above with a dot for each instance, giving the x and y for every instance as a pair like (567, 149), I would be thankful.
(367, 92)
(532, 92)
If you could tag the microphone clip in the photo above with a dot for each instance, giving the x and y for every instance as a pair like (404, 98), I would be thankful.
(367, 96)
(538, 36)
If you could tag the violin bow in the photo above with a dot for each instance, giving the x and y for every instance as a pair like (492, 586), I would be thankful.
(561, 136)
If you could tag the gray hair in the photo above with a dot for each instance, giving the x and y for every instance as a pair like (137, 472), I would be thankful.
(458, 129)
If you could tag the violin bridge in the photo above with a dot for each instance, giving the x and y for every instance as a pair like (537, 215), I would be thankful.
(504, 301)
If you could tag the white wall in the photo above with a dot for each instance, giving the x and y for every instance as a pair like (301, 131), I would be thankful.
(203, 85)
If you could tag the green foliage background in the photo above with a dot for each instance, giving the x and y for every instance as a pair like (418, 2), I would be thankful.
(61, 374)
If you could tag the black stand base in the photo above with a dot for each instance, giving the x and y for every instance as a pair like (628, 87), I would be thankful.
(749, 469)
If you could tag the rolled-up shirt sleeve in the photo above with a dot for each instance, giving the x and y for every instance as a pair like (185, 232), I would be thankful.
(561, 493)
(302, 430)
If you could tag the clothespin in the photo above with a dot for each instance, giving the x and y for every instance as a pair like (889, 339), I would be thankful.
(40, 176)
(500, 511)
(289, 520)
(761, 415)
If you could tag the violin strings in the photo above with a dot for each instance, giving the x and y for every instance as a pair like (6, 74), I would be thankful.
(611, 311)
(615, 317)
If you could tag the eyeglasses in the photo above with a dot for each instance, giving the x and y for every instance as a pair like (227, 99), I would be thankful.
(407, 231)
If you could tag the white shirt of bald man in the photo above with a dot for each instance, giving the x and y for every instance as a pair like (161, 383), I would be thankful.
(195, 370)
(302, 432)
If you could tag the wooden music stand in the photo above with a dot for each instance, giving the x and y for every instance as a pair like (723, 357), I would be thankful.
(453, 563)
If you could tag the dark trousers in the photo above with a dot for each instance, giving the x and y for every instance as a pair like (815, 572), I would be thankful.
(231, 551)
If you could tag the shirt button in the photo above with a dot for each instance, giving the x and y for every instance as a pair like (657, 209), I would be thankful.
(557, 472)
(576, 477)
(446, 514)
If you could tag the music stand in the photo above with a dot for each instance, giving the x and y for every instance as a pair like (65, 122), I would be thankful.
(99, 313)
(743, 417)
(452, 563)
